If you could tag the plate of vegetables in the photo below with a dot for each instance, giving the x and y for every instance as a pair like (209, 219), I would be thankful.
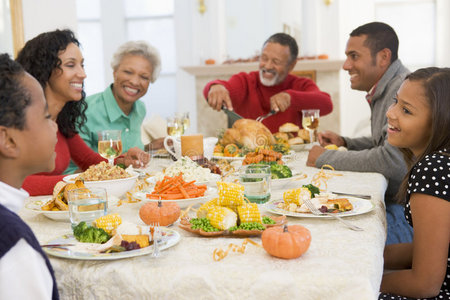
(91, 243)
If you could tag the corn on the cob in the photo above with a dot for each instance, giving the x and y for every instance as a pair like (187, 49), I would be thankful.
(230, 194)
(202, 211)
(109, 222)
(249, 212)
(222, 217)
(296, 196)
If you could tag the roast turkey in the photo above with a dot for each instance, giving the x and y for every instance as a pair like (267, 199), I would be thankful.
(248, 133)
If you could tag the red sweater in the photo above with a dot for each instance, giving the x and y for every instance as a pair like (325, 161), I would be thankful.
(66, 148)
(251, 98)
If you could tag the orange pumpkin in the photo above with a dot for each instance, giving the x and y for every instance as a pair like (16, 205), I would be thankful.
(287, 241)
(158, 212)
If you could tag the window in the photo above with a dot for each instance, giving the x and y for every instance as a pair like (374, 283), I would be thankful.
(104, 25)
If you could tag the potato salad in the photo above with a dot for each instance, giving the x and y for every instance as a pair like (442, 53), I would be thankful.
(190, 169)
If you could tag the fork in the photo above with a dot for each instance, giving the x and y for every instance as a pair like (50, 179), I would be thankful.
(317, 212)
(156, 237)
(261, 118)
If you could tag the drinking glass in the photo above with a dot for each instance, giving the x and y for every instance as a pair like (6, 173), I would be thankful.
(310, 122)
(185, 121)
(87, 205)
(109, 144)
(174, 126)
(256, 182)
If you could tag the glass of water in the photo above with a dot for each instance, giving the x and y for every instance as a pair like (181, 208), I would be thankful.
(256, 182)
(87, 205)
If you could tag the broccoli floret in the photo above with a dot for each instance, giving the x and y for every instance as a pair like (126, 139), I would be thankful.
(79, 229)
(280, 171)
(313, 189)
(88, 234)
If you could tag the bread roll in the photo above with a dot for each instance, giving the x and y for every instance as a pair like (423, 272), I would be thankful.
(289, 127)
(304, 134)
(296, 141)
(281, 135)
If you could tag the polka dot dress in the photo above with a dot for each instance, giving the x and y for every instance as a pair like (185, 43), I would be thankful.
(430, 176)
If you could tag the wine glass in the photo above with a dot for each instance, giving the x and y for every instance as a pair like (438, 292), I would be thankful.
(174, 126)
(109, 144)
(310, 122)
(185, 121)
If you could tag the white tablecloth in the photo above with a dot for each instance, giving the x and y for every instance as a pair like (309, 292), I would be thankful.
(340, 263)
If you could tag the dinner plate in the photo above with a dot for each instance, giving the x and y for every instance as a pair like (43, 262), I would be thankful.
(360, 206)
(57, 215)
(170, 239)
(182, 203)
(302, 147)
(280, 182)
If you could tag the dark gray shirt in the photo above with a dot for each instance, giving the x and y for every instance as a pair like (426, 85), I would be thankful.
(374, 153)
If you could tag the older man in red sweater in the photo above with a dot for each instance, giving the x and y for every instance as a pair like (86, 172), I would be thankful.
(271, 88)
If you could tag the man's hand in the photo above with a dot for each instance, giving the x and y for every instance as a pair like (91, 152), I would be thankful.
(313, 155)
(280, 102)
(217, 95)
(136, 157)
(329, 138)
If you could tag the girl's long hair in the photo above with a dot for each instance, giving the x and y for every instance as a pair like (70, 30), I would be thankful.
(436, 83)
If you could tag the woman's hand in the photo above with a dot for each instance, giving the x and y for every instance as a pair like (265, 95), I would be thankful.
(136, 157)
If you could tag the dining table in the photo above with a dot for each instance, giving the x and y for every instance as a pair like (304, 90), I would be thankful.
(340, 263)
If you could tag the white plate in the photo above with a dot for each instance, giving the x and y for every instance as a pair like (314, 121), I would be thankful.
(232, 158)
(242, 157)
(212, 182)
(296, 177)
(170, 239)
(302, 147)
(58, 215)
(183, 203)
(360, 206)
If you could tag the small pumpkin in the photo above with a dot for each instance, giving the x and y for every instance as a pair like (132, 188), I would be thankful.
(287, 241)
(164, 213)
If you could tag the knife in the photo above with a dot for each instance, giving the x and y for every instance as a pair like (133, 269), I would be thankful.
(232, 116)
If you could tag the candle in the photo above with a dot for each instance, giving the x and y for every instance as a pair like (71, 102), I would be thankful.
(192, 146)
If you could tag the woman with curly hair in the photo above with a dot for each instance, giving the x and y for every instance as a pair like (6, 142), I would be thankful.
(55, 60)
(419, 123)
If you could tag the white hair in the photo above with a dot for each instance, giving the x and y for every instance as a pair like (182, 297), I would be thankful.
(138, 48)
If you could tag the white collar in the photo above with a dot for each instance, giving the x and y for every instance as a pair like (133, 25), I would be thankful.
(12, 198)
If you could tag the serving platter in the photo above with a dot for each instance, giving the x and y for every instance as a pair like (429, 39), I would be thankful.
(360, 206)
(211, 182)
(182, 203)
(186, 225)
(170, 239)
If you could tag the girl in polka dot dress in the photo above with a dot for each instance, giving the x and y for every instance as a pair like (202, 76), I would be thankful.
(419, 124)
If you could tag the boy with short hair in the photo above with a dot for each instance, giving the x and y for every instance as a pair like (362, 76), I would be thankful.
(27, 144)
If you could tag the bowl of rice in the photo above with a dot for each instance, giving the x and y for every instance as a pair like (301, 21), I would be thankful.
(115, 180)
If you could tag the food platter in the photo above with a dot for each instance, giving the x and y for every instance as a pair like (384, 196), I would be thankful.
(360, 206)
(233, 158)
(186, 225)
(170, 239)
(211, 182)
(57, 215)
(183, 203)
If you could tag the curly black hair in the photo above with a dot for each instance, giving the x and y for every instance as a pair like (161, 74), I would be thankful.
(14, 97)
(39, 57)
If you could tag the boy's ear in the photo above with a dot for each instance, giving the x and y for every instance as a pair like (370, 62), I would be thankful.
(8, 146)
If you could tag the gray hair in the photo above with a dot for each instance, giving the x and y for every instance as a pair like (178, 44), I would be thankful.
(138, 48)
